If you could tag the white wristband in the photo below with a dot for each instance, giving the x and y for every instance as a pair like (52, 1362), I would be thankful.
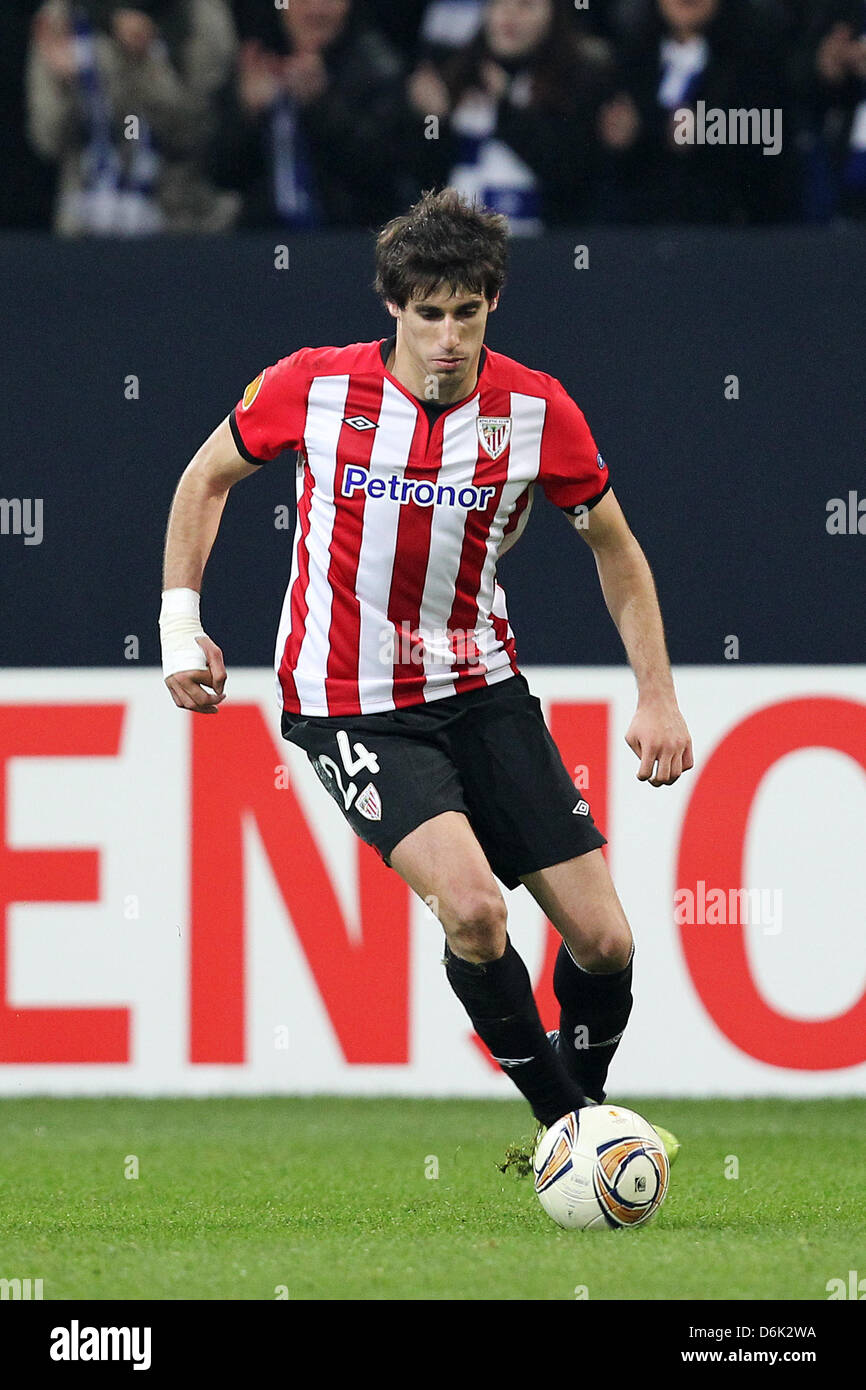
(179, 626)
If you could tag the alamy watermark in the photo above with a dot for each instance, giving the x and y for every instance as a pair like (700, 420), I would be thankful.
(846, 516)
(853, 1287)
(21, 1289)
(737, 126)
(22, 516)
(77, 1343)
(408, 646)
(721, 907)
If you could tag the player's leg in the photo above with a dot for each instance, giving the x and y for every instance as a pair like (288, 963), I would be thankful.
(593, 973)
(528, 816)
(412, 811)
(444, 864)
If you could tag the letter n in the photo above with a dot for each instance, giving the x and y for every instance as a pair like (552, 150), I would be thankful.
(363, 984)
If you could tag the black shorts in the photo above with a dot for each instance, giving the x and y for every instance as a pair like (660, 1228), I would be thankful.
(487, 753)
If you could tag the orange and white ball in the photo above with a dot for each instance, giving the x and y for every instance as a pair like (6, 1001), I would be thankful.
(601, 1167)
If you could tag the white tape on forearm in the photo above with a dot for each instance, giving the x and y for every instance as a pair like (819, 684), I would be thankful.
(179, 626)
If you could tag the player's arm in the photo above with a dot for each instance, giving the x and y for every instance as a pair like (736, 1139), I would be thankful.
(658, 732)
(193, 664)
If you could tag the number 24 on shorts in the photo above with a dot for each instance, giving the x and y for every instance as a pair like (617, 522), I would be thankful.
(353, 765)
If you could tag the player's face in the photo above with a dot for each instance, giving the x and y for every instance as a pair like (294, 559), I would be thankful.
(516, 27)
(439, 341)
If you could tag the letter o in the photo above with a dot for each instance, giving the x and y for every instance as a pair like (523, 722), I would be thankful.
(428, 490)
(468, 496)
(712, 847)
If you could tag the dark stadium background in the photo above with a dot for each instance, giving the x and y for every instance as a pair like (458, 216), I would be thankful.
(728, 497)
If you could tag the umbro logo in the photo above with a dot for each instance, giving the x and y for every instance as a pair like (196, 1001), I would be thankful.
(581, 809)
(360, 422)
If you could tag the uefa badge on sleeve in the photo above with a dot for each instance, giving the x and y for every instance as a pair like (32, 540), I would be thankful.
(252, 391)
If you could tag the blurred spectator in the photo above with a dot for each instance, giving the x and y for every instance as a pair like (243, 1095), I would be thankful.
(553, 111)
(247, 17)
(831, 81)
(95, 65)
(517, 113)
(308, 135)
(447, 26)
(796, 14)
(26, 181)
(399, 21)
(730, 56)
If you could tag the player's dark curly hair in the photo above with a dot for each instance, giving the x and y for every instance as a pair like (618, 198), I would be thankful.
(443, 240)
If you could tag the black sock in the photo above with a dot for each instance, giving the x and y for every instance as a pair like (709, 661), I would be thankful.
(497, 996)
(594, 1011)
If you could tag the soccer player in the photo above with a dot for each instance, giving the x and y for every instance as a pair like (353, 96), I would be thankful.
(418, 456)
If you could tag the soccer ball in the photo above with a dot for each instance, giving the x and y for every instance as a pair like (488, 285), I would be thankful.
(601, 1166)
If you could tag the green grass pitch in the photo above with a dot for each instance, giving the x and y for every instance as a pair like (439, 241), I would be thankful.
(330, 1199)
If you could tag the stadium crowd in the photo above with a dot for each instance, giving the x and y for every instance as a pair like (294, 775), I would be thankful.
(209, 115)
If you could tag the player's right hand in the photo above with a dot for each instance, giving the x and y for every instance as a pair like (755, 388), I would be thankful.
(200, 691)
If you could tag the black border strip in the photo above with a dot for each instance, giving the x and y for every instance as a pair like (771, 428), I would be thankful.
(239, 443)
(572, 510)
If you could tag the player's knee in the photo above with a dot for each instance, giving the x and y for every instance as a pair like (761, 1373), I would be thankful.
(608, 952)
(477, 931)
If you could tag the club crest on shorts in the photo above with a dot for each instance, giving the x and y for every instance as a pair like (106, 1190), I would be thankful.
(369, 803)
(494, 432)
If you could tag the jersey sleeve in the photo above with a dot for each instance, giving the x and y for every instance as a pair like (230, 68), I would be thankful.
(573, 472)
(269, 417)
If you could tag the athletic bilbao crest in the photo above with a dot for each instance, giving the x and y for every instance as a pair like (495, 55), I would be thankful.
(368, 803)
(494, 432)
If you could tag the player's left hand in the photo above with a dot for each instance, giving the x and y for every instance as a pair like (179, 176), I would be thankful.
(659, 737)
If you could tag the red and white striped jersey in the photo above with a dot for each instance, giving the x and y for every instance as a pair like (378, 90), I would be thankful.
(392, 598)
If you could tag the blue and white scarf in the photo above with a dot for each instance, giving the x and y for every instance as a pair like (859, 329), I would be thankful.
(115, 198)
(451, 23)
(294, 186)
(488, 169)
(682, 67)
(854, 172)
